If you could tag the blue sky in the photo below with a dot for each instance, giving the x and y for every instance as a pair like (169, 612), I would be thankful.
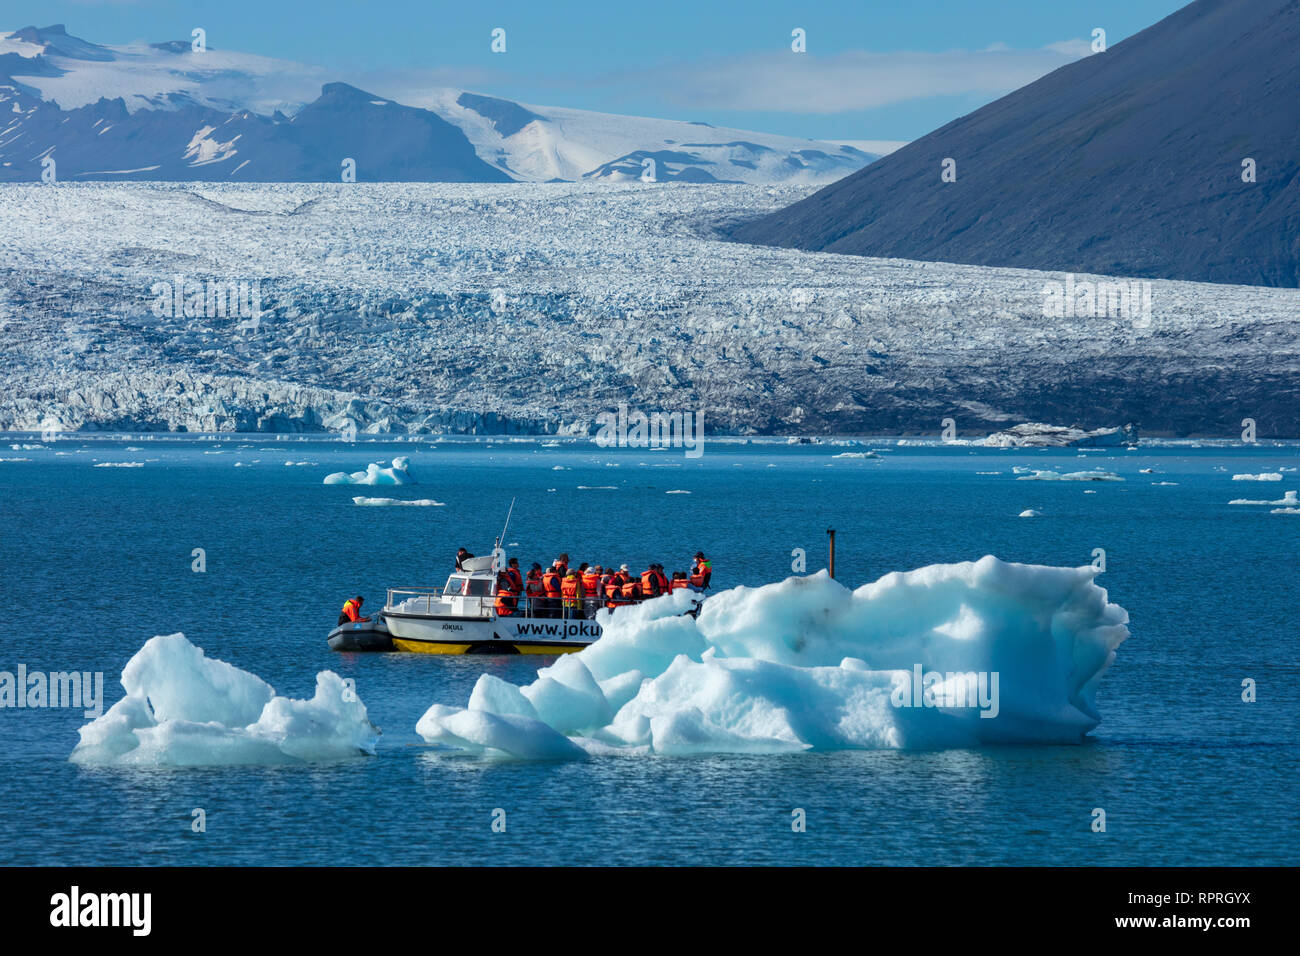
(873, 70)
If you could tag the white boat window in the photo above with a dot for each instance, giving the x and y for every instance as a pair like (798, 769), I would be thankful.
(467, 586)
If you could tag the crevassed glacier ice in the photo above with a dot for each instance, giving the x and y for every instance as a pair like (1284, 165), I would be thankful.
(375, 474)
(948, 655)
(183, 708)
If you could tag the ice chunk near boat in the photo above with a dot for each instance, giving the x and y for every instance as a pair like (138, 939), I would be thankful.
(183, 708)
(398, 473)
(950, 655)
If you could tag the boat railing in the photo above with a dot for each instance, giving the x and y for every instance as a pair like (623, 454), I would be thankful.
(427, 595)
(585, 608)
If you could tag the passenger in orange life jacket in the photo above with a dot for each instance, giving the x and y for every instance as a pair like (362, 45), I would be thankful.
(649, 583)
(571, 589)
(679, 581)
(662, 578)
(610, 588)
(507, 596)
(562, 564)
(551, 585)
(534, 590)
(516, 578)
(631, 591)
(352, 611)
(592, 590)
(701, 572)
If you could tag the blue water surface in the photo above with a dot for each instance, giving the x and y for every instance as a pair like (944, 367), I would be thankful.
(97, 560)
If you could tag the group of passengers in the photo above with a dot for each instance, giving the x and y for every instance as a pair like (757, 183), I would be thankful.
(564, 591)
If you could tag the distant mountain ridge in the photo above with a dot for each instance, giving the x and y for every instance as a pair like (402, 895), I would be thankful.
(161, 111)
(1128, 162)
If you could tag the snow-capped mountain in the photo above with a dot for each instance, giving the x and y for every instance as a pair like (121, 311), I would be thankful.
(165, 111)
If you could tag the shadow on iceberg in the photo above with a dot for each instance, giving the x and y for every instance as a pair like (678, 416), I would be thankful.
(955, 655)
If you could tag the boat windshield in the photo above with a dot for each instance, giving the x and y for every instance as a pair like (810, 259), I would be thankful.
(459, 584)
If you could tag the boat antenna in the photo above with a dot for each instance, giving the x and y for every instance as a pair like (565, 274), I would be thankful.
(501, 539)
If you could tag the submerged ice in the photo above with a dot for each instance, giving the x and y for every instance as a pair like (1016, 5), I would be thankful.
(944, 656)
(183, 708)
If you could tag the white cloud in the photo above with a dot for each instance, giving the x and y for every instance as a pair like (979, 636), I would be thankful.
(804, 83)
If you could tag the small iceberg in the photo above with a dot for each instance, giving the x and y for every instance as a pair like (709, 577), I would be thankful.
(184, 709)
(1264, 476)
(1096, 475)
(120, 464)
(1288, 500)
(375, 474)
(856, 454)
(1030, 513)
(414, 503)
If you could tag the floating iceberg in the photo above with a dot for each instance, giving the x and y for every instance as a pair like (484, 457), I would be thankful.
(856, 454)
(375, 474)
(184, 709)
(1288, 500)
(1096, 475)
(415, 502)
(1266, 476)
(120, 464)
(945, 656)
(1030, 513)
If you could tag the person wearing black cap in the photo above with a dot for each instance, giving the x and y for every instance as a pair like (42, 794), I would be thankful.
(701, 572)
(352, 611)
(461, 555)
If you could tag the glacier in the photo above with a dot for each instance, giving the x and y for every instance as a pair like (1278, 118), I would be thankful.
(954, 655)
(529, 309)
(183, 708)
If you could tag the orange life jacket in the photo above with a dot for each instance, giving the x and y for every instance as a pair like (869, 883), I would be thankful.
(534, 586)
(572, 590)
(506, 601)
(551, 583)
(663, 581)
(649, 584)
(701, 573)
(351, 610)
(591, 582)
(516, 579)
(630, 591)
(676, 584)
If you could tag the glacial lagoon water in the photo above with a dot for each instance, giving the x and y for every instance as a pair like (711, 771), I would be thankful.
(98, 559)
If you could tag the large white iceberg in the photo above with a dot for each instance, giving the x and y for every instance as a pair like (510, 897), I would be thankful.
(945, 656)
(375, 474)
(183, 708)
